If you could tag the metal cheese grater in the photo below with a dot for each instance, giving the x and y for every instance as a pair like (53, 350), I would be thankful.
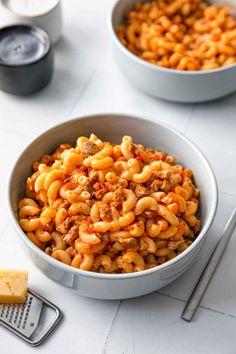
(31, 321)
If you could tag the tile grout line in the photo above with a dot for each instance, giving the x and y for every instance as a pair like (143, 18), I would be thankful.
(81, 91)
(217, 311)
(168, 295)
(103, 351)
(200, 306)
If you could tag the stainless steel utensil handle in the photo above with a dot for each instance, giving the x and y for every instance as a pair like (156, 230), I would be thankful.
(209, 270)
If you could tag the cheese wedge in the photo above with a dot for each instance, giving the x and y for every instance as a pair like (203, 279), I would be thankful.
(13, 286)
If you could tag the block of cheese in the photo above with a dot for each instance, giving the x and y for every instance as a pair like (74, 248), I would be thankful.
(13, 286)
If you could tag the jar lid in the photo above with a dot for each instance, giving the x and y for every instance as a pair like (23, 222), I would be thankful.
(22, 45)
(30, 8)
(26, 59)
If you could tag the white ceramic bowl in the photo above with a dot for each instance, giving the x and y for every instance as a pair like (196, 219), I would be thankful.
(169, 84)
(112, 127)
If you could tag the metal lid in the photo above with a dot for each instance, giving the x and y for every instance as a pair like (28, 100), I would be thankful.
(26, 59)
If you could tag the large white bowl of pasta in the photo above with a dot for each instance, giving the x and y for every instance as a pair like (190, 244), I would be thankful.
(112, 206)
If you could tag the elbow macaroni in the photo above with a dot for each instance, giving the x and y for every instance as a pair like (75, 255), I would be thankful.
(110, 208)
(181, 35)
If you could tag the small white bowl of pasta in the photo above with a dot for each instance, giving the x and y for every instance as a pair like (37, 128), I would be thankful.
(158, 74)
(105, 216)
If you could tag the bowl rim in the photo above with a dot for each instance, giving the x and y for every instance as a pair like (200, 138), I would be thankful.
(152, 66)
(145, 272)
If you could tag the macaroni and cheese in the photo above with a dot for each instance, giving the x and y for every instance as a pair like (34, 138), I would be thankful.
(110, 208)
(180, 34)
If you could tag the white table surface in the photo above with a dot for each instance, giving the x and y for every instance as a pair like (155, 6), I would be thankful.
(86, 81)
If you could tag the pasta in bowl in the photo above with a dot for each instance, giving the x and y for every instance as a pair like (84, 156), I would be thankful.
(173, 49)
(110, 208)
(105, 214)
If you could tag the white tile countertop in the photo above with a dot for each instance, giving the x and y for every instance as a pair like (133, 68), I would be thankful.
(86, 81)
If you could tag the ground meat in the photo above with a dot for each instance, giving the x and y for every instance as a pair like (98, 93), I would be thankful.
(73, 220)
(173, 245)
(31, 180)
(90, 148)
(132, 186)
(105, 238)
(143, 247)
(100, 193)
(131, 244)
(93, 176)
(161, 244)
(166, 186)
(197, 227)
(88, 187)
(165, 174)
(49, 227)
(112, 252)
(72, 235)
(105, 211)
(149, 181)
(150, 214)
(73, 253)
(118, 197)
(31, 194)
(155, 185)
(141, 191)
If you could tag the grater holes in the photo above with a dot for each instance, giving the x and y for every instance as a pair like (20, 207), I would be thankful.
(26, 316)
(11, 316)
(12, 313)
(26, 312)
(2, 310)
(7, 311)
(21, 316)
(16, 314)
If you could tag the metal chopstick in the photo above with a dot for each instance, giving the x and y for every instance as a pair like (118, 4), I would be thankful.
(209, 270)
